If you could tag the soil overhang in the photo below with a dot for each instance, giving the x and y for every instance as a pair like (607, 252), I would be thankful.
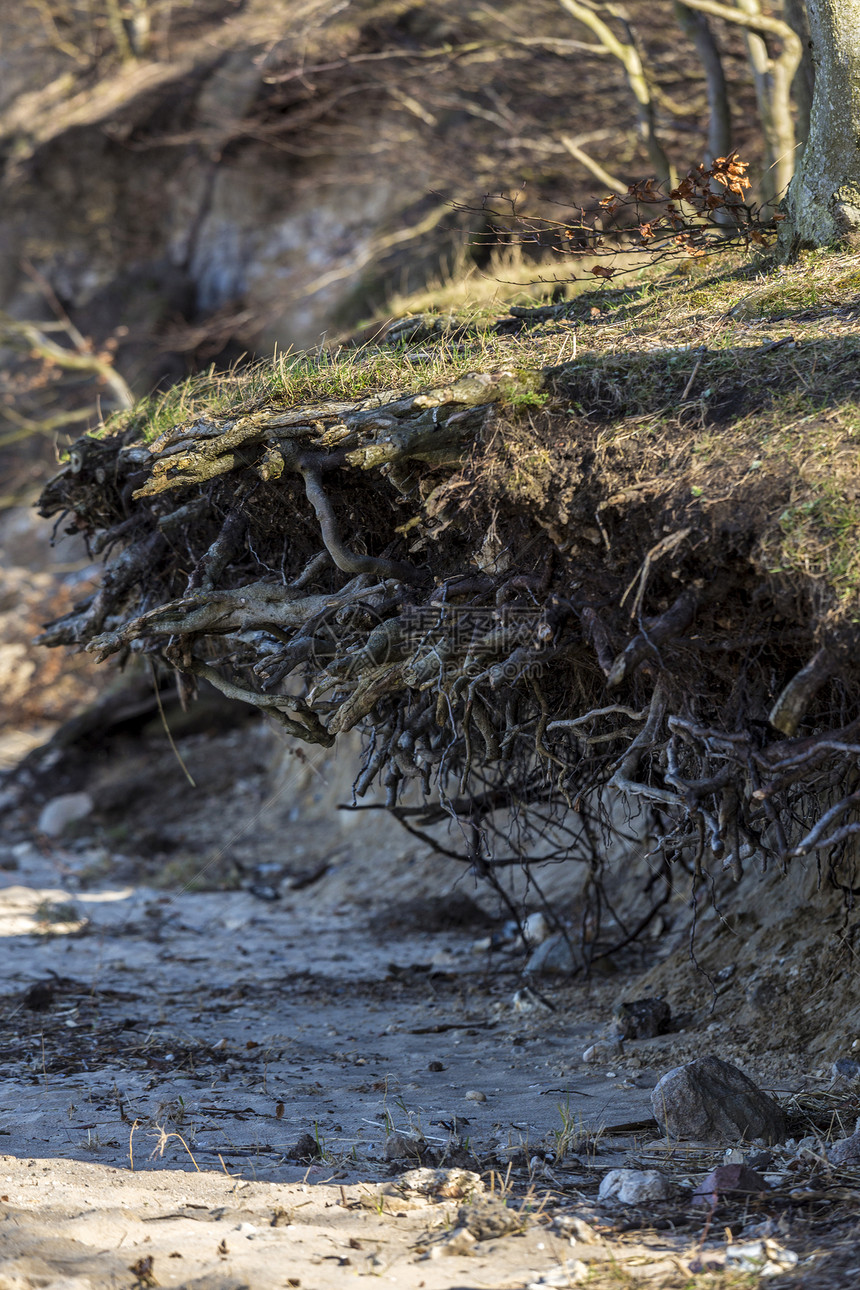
(637, 568)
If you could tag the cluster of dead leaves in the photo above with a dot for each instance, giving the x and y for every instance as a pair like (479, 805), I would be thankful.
(694, 218)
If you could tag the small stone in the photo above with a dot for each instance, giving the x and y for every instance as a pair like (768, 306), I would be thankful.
(846, 1151)
(399, 1146)
(635, 1186)
(460, 1242)
(536, 929)
(56, 815)
(727, 1180)
(765, 1258)
(435, 1066)
(306, 1150)
(475, 1095)
(579, 1232)
(846, 1070)
(709, 1099)
(553, 957)
(525, 1000)
(603, 1050)
(643, 1018)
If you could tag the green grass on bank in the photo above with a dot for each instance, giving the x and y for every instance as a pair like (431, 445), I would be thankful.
(739, 383)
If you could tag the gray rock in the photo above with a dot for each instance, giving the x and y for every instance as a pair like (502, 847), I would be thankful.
(635, 1186)
(603, 1050)
(552, 957)
(60, 812)
(846, 1070)
(709, 1100)
(642, 1018)
(846, 1151)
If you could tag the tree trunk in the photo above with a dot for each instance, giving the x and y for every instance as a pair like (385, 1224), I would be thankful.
(823, 205)
(804, 78)
(773, 91)
(697, 28)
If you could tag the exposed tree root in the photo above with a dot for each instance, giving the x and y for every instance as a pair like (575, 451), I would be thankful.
(426, 568)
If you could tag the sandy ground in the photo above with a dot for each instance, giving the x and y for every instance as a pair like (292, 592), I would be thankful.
(163, 1052)
(239, 1084)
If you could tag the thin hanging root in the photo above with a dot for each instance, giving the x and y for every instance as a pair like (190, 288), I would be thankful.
(813, 840)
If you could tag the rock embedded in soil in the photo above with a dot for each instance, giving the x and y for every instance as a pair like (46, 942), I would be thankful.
(635, 1186)
(709, 1100)
(642, 1018)
(728, 1180)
